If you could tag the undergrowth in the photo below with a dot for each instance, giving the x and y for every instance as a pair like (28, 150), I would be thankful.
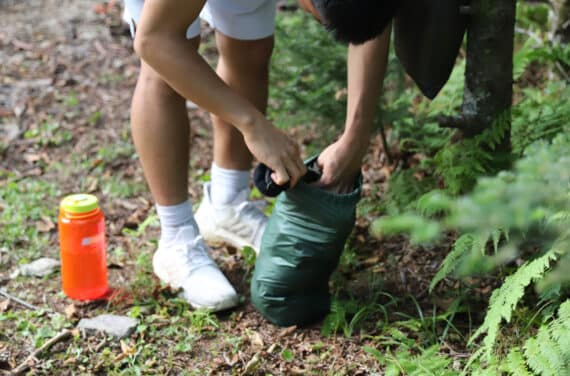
(511, 224)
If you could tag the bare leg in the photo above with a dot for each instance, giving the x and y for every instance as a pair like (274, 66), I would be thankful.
(244, 66)
(160, 128)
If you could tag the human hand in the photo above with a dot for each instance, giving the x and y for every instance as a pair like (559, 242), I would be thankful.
(340, 164)
(277, 151)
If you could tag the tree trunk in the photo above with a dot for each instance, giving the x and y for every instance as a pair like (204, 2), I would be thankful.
(488, 92)
(489, 70)
(562, 27)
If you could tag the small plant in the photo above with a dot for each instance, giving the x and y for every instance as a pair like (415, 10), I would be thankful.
(49, 133)
(201, 319)
(346, 316)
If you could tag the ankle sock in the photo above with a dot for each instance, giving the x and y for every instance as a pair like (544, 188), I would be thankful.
(172, 217)
(227, 184)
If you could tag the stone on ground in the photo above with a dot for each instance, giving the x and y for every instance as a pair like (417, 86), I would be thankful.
(40, 268)
(117, 326)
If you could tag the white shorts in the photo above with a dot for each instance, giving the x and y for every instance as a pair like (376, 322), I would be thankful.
(238, 19)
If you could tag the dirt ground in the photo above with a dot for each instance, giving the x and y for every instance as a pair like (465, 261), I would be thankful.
(70, 63)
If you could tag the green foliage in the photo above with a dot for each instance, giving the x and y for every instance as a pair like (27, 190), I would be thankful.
(49, 133)
(118, 186)
(465, 243)
(460, 164)
(410, 360)
(421, 230)
(346, 316)
(22, 205)
(308, 70)
(547, 352)
(541, 115)
(504, 300)
(404, 189)
(531, 206)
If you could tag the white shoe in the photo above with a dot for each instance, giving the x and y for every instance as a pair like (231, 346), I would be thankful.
(184, 263)
(240, 224)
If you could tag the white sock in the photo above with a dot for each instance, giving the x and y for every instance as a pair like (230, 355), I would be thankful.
(172, 217)
(226, 184)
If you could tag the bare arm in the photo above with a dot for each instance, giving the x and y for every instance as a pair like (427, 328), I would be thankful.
(161, 42)
(341, 161)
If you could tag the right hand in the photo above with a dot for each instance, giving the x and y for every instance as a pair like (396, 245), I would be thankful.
(276, 150)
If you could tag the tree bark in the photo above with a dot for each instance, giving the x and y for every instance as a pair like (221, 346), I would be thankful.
(562, 27)
(489, 69)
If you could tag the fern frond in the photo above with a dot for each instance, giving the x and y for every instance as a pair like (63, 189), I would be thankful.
(504, 300)
(496, 237)
(462, 245)
(522, 58)
(433, 203)
(560, 330)
(515, 364)
(543, 355)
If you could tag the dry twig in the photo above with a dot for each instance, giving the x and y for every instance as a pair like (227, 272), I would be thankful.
(30, 359)
(18, 300)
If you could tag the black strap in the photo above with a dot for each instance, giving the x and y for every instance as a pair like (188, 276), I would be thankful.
(266, 185)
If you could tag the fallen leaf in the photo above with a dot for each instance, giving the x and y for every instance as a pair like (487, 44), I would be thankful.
(127, 204)
(252, 365)
(6, 112)
(45, 225)
(371, 261)
(128, 350)
(70, 311)
(230, 362)
(70, 361)
(297, 371)
(255, 339)
(32, 157)
(92, 185)
(272, 348)
(4, 305)
(287, 331)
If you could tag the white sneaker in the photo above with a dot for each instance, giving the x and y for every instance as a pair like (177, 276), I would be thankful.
(239, 224)
(184, 263)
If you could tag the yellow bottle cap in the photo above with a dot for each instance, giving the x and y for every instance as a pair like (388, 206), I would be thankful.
(79, 203)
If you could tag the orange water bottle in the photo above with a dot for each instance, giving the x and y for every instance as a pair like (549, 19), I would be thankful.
(82, 247)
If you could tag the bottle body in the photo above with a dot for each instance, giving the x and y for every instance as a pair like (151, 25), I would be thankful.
(83, 253)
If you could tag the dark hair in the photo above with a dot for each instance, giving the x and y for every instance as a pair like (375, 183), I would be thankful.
(356, 21)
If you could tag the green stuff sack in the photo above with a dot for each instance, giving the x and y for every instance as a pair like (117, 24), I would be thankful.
(427, 38)
(301, 247)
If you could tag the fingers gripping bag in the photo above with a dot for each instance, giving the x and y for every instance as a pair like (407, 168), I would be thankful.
(300, 249)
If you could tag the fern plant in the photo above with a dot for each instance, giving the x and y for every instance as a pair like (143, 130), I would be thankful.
(522, 213)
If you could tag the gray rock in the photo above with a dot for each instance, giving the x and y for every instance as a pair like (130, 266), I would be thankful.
(40, 268)
(117, 326)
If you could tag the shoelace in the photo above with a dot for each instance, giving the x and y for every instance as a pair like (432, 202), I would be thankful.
(195, 254)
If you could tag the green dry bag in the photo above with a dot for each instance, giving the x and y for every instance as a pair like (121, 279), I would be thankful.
(427, 37)
(301, 247)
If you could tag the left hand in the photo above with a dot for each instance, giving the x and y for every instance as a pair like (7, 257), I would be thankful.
(340, 164)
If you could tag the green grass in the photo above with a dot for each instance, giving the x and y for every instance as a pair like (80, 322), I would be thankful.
(22, 204)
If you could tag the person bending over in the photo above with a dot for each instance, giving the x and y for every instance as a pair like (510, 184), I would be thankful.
(166, 38)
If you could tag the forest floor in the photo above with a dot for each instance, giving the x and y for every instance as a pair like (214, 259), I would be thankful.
(67, 74)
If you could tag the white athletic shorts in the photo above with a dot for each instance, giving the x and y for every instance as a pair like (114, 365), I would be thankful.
(238, 19)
